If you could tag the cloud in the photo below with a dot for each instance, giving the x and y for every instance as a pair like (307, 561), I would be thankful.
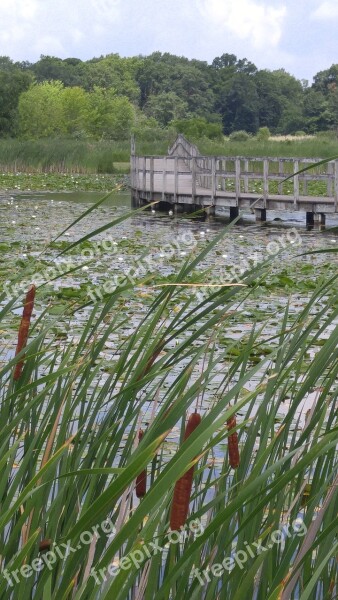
(34, 27)
(326, 10)
(246, 19)
(106, 10)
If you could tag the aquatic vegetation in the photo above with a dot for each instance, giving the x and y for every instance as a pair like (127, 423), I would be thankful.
(146, 357)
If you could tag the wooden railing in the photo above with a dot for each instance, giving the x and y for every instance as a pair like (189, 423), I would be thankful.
(220, 175)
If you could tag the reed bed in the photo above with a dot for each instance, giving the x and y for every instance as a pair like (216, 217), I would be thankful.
(70, 454)
(90, 156)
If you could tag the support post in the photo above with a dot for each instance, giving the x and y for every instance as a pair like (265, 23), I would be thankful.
(234, 212)
(210, 211)
(295, 185)
(260, 214)
(310, 219)
(320, 219)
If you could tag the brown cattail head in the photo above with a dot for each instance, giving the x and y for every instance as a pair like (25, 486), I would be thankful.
(45, 545)
(141, 480)
(233, 443)
(183, 487)
(24, 329)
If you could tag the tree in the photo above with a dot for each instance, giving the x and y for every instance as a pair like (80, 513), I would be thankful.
(324, 81)
(165, 107)
(270, 99)
(75, 107)
(108, 115)
(41, 110)
(13, 81)
(241, 110)
(198, 127)
(114, 72)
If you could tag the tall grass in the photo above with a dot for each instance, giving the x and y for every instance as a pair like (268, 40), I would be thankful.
(83, 156)
(70, 456)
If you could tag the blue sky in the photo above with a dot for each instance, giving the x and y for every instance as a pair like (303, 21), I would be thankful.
(300, 36)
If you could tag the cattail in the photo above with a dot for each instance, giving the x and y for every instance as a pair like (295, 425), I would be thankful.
(45, 545)
(183, 487)
(24, 328)
(233, 444)
(141, 480)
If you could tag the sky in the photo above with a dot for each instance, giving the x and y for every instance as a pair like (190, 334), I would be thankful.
(297, 35)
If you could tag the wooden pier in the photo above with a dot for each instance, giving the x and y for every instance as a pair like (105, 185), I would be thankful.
(186, 181)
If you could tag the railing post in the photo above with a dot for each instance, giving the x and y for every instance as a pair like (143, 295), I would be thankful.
(246, 179)
(176, 179)
(144, 173)
(265, 180)
(151, 178)
(336, 186)
(213, 179)
(329, 179)
(281, 172)
(295, 184)
(237, 179)
(164, 178)
(193, 178)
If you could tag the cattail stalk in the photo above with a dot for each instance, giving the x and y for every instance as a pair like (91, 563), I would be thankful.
(45, 545)
(183, 487)
(24, 329)
(233, 444)
(141, 480)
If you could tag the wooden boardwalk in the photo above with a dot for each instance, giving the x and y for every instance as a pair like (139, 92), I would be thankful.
(188, 181)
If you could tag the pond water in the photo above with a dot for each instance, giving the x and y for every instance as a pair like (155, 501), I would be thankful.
(150, 244)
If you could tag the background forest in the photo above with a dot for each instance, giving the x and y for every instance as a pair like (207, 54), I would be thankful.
(109, 97)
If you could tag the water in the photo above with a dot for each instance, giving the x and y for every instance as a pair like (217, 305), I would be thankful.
(154, 245)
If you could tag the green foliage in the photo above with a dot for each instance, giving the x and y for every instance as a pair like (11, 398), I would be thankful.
(166, 107)
(164, 87)
(49, 109)
(93, 376)
(108, 116)
(41, 110)
(197, 128)
(13, 82)
(263, 134)
(239, 136)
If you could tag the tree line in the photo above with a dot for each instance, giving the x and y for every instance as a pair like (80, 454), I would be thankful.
(111, 96)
